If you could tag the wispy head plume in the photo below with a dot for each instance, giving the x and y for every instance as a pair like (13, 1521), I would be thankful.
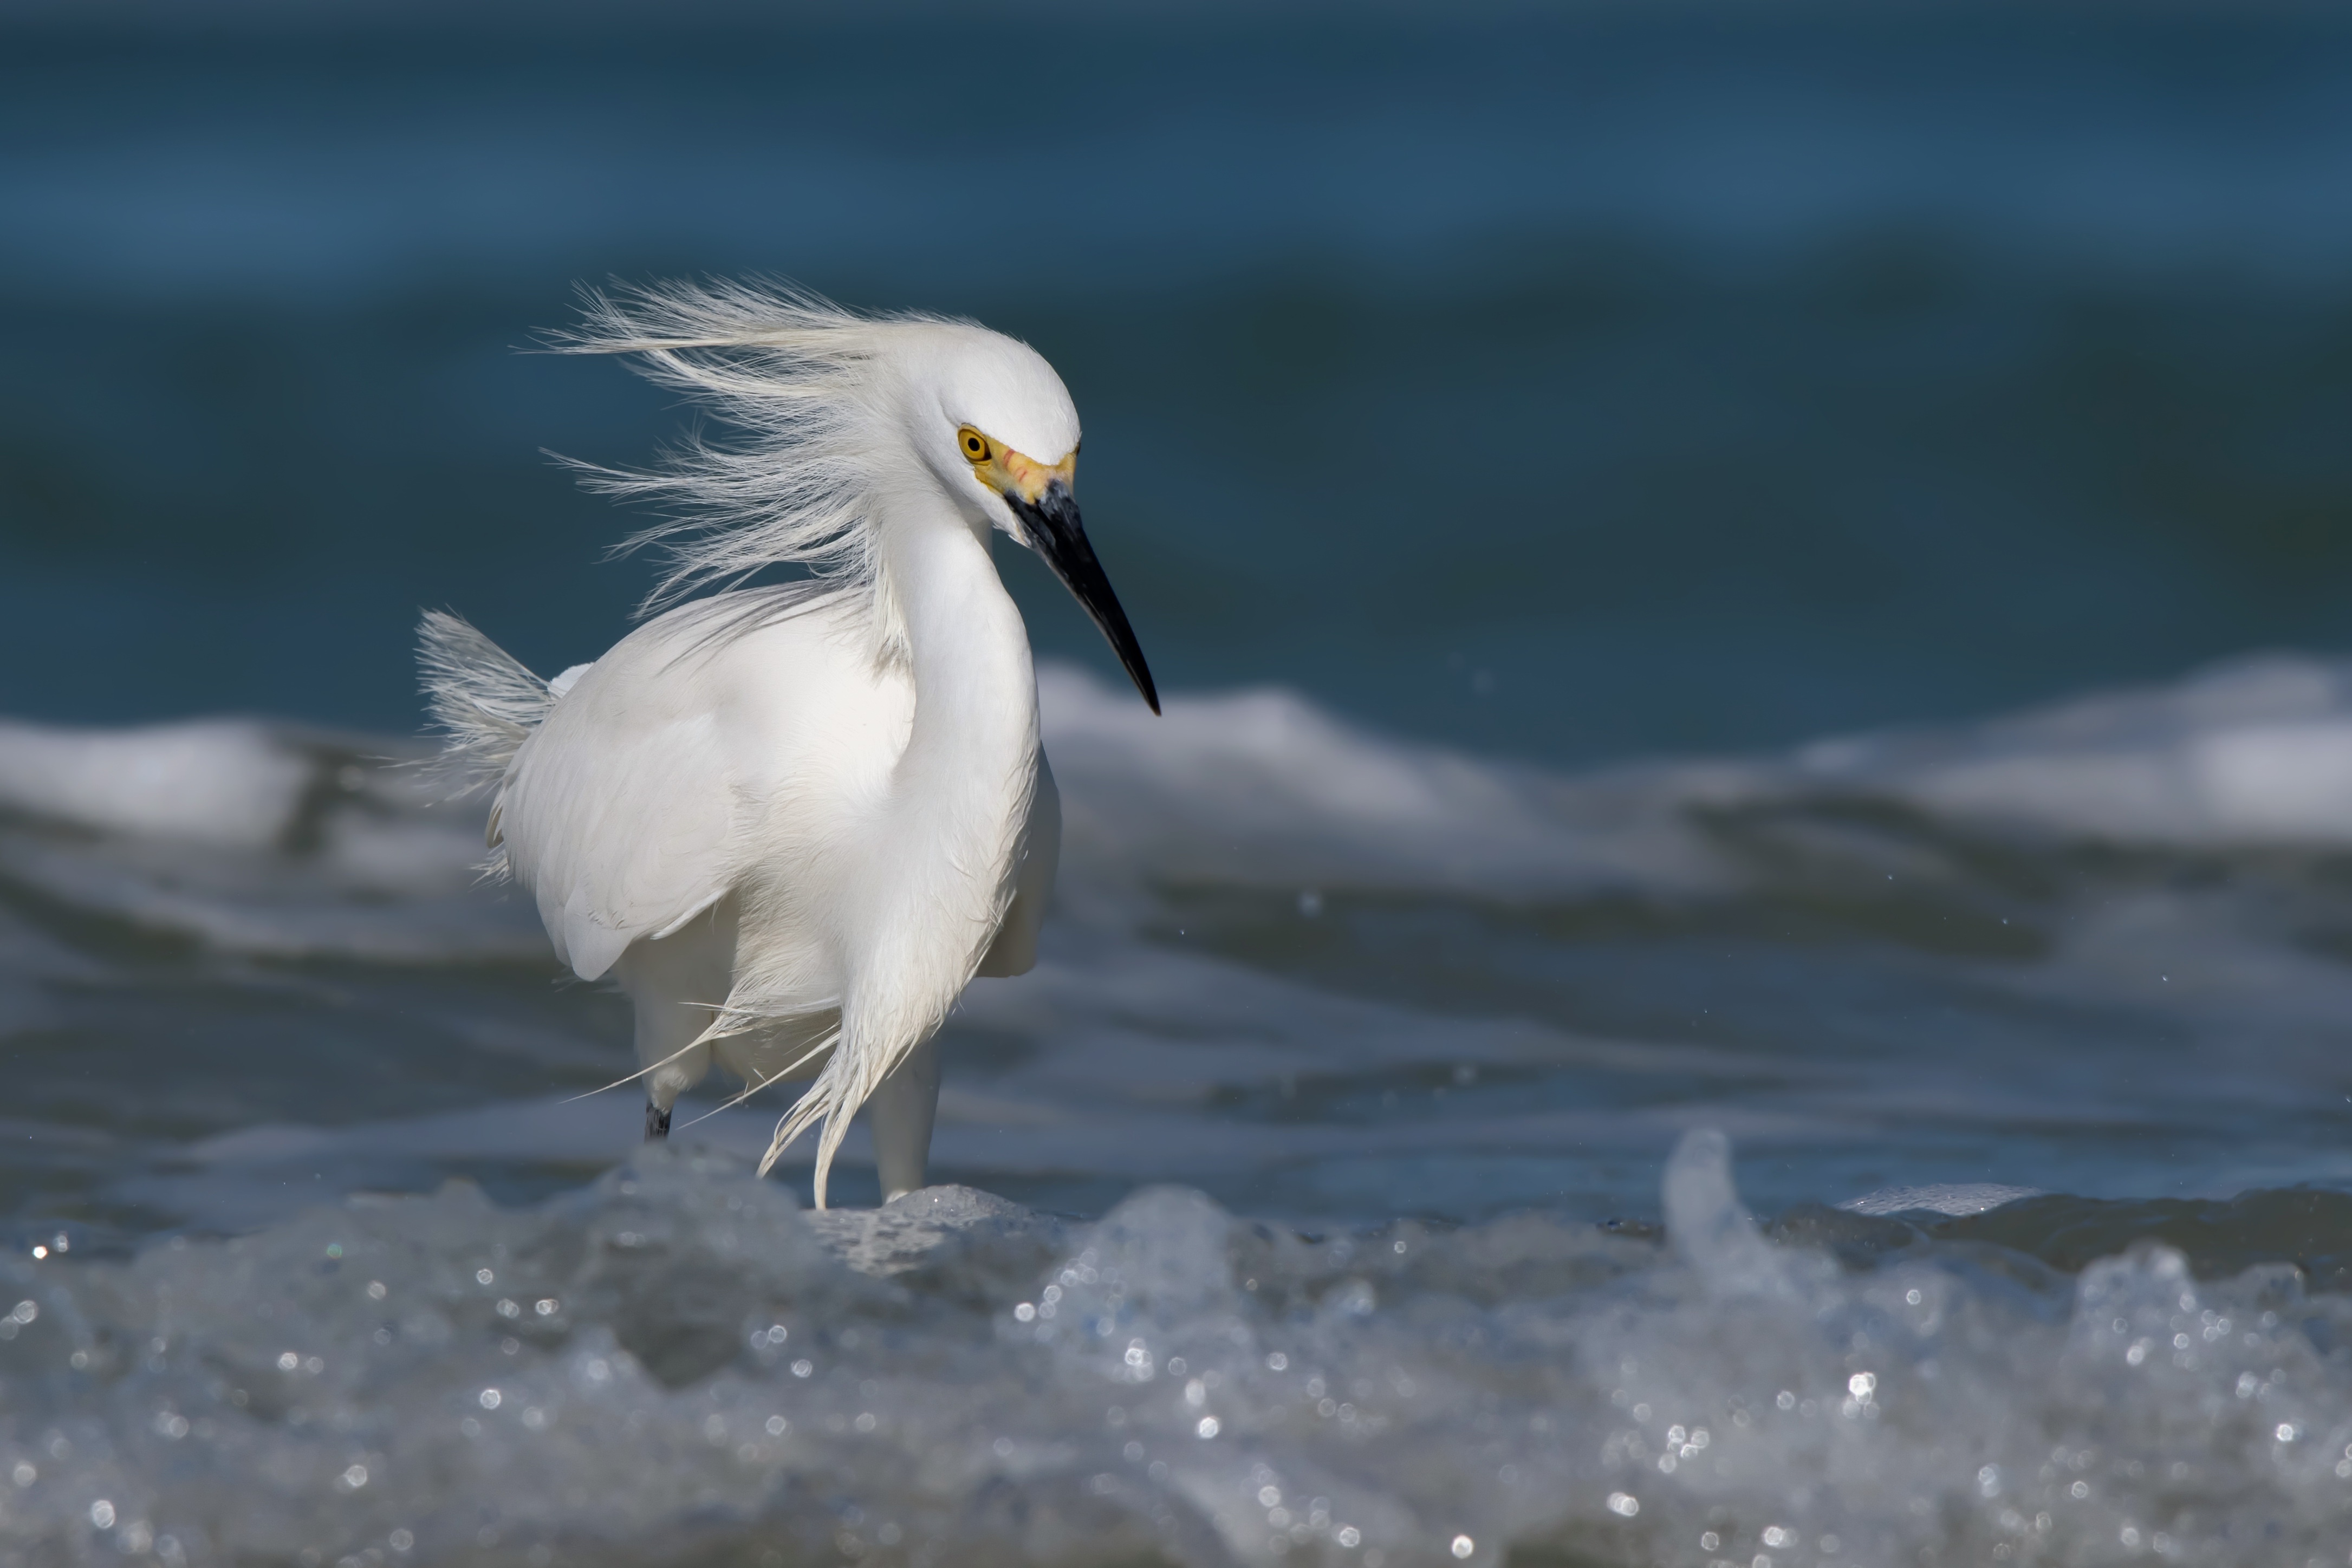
(790, 372)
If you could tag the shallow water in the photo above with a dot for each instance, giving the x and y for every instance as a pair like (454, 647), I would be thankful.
(2097, 949)
(2050, 1001)
(1721, 584)
(673, 1365)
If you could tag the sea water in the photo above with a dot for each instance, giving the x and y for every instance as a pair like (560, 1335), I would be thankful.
(678, 1365)
(1733, 948)
(1238, 1262)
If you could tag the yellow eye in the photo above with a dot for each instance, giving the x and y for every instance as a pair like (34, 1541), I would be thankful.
(975, 446)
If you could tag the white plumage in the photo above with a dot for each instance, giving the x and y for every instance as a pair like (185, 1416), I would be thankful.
(795, 821)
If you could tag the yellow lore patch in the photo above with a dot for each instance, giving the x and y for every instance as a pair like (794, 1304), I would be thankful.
(1011, 473)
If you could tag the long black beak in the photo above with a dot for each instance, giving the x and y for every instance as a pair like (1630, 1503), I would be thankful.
(1056, 533)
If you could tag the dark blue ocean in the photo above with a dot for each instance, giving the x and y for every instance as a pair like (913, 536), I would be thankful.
(1782, 571)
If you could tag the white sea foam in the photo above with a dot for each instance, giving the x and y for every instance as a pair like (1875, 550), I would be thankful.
(1951, 1199)
(270, 839)
(1264, 788)
(2254, 751)
(987, 1384)
(252, 837)
(232, 783)
(1156, 1044)
(674, 1362)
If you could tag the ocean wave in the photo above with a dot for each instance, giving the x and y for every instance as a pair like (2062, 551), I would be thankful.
(272, 839)
(1263, 787)
(676, 1364)
(2096, 949)
(2048, 1002)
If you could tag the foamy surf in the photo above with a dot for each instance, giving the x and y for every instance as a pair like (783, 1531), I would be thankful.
(2047, 1003)
(1313, 970)
(1255, 789)
(675, 1365)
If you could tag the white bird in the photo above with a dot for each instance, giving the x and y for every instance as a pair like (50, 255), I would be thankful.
(795, 821)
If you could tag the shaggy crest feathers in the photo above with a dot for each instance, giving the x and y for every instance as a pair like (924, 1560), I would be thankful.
(784, 367)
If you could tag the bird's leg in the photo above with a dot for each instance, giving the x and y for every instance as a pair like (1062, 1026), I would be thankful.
(669, 1032)
(902, 1111)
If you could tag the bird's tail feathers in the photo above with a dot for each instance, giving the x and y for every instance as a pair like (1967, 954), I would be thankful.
(480, 698)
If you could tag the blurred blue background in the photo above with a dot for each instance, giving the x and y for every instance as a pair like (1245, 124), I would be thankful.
(1565, 382)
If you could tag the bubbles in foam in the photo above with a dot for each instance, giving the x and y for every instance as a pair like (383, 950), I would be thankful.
(677, 1363)
(689, 1364)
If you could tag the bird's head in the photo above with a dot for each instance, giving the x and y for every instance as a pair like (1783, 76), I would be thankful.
(997, 427)
(829, 402)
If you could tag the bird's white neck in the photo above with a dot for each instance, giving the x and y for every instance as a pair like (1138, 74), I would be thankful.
(961, 793)
(938, 860)
(962, 637)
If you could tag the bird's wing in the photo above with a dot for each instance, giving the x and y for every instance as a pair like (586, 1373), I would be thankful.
(622, 829)
(626, 814)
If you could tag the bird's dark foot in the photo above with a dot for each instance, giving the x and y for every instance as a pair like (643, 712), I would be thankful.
(657, 1123)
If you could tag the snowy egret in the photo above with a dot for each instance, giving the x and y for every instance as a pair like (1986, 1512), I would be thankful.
(795, 821)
